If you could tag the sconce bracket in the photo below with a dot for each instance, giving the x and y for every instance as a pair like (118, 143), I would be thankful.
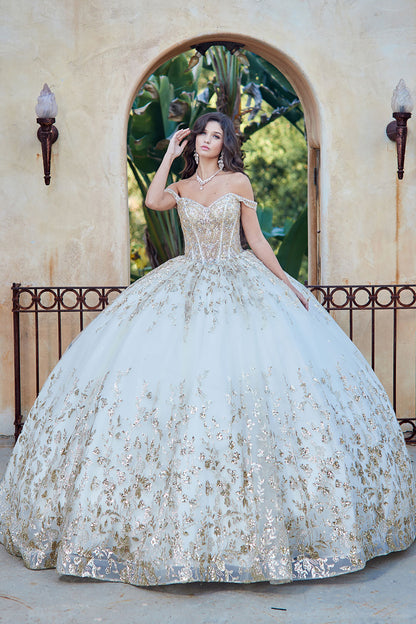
(47, 135)
(397, 131)
(400, 119)
(391, 130)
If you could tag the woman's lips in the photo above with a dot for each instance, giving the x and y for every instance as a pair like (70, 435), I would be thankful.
(204, 147)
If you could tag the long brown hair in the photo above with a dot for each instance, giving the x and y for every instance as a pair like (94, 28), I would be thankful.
(230, 151)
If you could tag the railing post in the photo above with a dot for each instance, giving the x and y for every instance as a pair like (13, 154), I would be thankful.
(17, 380)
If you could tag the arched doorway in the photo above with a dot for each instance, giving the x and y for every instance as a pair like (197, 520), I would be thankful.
(312, 122)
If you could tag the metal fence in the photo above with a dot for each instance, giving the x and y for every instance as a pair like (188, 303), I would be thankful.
(380, 319)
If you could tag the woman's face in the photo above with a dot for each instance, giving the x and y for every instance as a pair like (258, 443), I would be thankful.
(209, 143)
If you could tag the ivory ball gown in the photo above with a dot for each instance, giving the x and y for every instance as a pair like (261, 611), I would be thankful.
(206, 427)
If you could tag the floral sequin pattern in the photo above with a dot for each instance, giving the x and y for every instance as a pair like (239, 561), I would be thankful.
(205, 427)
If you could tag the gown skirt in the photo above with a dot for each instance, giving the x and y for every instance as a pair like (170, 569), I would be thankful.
(206, 427)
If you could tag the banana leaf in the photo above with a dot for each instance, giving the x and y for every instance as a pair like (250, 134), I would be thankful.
(294, 245)
(265, 217)
(266, 119)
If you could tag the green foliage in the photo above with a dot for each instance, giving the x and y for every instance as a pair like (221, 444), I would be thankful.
(151, 124)
(168, 96)
(276, 161)
(273, 97)
(139, 260)
(294, 246)
(226, 81)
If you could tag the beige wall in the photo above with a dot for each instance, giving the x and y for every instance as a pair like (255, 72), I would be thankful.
(343, 57)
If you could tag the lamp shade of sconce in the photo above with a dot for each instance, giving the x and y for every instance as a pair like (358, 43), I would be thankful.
(46, 111)
(402, 106)
(401, 101)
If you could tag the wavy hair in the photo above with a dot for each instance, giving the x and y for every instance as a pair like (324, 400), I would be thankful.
(231, 148)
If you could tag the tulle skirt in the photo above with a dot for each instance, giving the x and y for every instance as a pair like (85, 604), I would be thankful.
(206, 427)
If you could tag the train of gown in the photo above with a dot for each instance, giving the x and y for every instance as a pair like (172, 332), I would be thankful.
(206, 427)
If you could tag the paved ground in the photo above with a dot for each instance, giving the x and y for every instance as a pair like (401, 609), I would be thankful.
(383, 593)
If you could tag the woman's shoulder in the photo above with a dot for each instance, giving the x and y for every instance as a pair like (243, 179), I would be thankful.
(237, 175)
(241, 184)
(182, 185)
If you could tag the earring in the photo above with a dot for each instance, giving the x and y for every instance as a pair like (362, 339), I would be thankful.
(221, 161)
(196, 157)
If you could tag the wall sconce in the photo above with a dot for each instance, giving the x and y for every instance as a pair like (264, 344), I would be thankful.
(46, 111)
(402, 106)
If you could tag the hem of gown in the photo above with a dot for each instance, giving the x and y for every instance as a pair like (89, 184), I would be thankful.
(146, 574)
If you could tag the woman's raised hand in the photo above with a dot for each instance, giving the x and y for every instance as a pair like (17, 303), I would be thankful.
(156, 198)
(177, 143)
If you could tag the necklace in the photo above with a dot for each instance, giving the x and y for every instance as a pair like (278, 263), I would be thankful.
(202, 182)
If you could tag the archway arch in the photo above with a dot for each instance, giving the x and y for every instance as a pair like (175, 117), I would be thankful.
(313, 120)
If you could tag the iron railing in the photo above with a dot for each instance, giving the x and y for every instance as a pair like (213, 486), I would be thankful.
(354, 306)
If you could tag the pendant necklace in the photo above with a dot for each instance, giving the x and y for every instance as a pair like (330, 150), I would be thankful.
(202, 182)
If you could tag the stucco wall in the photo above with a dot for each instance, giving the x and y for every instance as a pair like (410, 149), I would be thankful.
(347, 55)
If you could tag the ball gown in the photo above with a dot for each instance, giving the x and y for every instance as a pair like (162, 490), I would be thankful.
(207, 427)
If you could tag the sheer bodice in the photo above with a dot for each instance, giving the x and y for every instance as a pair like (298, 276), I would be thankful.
(211, 232)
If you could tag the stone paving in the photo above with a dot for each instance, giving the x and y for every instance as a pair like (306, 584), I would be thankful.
(383, 593)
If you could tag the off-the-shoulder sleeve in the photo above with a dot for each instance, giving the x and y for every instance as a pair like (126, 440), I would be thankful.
(248, 202)
(172, 192)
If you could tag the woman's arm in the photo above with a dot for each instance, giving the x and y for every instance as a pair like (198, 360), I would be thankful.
(263, 251)
(156, 198)
(261, 247)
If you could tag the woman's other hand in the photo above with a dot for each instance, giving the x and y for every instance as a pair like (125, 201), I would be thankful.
(302, 299)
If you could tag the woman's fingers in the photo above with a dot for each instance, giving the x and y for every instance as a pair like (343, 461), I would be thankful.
(304, 302)
(181, 134)
(183, 145)
(176, 146)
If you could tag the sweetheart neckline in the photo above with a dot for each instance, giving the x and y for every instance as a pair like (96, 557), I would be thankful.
(215, 200)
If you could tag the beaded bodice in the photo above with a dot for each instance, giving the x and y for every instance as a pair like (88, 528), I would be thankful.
(211, 232)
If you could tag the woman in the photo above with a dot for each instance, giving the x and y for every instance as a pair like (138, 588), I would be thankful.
(214, 142)
(213, 423)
